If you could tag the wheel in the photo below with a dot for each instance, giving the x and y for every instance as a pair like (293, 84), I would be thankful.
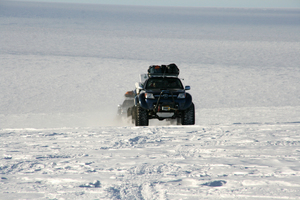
(179, 121)
(133, 114)
(141, 116)
(188, 116)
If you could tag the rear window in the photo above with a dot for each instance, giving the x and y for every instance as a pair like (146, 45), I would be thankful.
(164, 83)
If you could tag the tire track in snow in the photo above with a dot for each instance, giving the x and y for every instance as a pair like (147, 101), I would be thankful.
(170, 162)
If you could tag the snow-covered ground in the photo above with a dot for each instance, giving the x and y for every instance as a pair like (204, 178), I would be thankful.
(251, 161)
(64, 68)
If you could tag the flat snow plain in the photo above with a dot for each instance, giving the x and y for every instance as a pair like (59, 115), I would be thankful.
(64, 68)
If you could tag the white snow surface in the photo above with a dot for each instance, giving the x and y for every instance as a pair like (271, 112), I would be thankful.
(64, 68)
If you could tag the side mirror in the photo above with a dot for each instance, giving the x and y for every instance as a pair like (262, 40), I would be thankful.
(139, 86)
(187, 87)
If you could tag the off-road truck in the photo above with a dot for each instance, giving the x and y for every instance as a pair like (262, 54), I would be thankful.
(160, 95)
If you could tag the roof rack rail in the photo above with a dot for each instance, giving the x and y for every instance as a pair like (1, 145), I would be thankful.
(150, 75)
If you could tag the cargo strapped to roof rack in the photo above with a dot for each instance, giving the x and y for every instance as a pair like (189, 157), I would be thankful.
(163, 70)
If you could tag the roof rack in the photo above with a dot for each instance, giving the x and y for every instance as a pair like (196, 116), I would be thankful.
(162, 75)
(170, 70)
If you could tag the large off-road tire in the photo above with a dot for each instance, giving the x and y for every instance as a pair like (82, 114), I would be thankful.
(141, 116)
(130, 114)
(178, 121)
(188, 116)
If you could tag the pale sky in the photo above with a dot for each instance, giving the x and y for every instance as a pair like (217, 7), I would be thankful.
(192, 3)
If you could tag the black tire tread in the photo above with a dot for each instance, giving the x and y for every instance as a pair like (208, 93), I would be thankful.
(141, 117)
(188, 116)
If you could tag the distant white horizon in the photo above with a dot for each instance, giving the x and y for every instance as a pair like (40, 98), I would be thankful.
(190, 3)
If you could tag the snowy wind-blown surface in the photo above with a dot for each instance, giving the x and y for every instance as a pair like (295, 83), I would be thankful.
(170, 162)
(64, 68)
